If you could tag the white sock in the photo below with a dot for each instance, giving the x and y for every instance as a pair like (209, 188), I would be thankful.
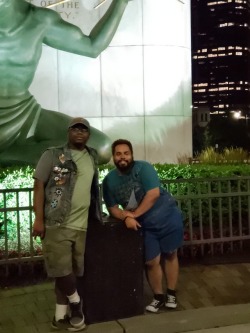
(74, 298)
(61, 311)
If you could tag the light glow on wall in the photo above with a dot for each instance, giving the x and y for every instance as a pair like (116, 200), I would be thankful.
(169, 78)
(140, 86)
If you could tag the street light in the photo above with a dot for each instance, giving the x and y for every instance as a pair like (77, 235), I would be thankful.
(237, 114)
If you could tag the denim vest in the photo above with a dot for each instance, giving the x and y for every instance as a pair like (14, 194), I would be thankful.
(60, 186)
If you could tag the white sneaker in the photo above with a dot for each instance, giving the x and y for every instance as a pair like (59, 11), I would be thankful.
(171, 302)
(155, 305)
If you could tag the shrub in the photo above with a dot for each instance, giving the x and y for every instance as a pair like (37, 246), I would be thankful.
(228, 155)
(16, 177)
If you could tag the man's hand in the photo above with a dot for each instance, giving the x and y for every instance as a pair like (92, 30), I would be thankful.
(127, 213)
(131, 223)
(38, 229)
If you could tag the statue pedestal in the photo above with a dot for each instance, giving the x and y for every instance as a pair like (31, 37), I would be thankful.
(112, 286)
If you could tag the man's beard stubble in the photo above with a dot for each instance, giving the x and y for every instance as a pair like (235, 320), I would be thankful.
(124, 168)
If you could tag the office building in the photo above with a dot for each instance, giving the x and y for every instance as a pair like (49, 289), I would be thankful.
(220, 59)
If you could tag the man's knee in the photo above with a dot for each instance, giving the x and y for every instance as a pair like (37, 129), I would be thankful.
(153, 262)
(170, 256)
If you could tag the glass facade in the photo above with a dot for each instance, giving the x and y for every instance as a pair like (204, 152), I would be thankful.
(221, 56)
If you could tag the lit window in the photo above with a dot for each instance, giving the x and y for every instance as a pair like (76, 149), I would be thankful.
(202, 85)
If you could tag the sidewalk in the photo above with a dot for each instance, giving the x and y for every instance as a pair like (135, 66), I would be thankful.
(210, 298)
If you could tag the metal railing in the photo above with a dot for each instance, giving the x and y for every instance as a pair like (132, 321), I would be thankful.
(216, 214)
(16, 218)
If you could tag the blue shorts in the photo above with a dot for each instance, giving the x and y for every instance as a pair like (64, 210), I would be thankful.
(165, 239)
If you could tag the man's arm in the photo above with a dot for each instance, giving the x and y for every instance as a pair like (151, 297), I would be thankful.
(147, 202)
(68, 37)
(126, 216)
(39, 196)
(114, 209)
(119, 213)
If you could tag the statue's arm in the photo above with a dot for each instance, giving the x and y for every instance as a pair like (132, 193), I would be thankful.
(67, 37)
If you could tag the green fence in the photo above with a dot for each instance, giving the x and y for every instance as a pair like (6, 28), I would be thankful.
(216, 215)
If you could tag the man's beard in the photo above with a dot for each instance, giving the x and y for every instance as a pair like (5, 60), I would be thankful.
(124, 167)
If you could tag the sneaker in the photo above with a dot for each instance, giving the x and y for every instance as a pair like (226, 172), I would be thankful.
(155, 305)
(64, 324)
(171, 302)
(76, 315)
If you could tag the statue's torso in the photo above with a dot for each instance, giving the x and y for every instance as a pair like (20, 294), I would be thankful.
(20, 53)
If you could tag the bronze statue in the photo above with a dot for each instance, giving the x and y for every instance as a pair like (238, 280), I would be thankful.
(25, 128)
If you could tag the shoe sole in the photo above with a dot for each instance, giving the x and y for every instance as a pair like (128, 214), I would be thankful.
(78, 324)
(70, 329)
(77, 329)
(171, 306)
(56, 328)
(152, 310)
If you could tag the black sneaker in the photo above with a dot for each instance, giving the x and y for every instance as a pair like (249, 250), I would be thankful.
(76, 315)
(64, 324)
(155, 305)
(171, 301)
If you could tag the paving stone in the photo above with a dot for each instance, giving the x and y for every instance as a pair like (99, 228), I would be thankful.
(200, 287)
